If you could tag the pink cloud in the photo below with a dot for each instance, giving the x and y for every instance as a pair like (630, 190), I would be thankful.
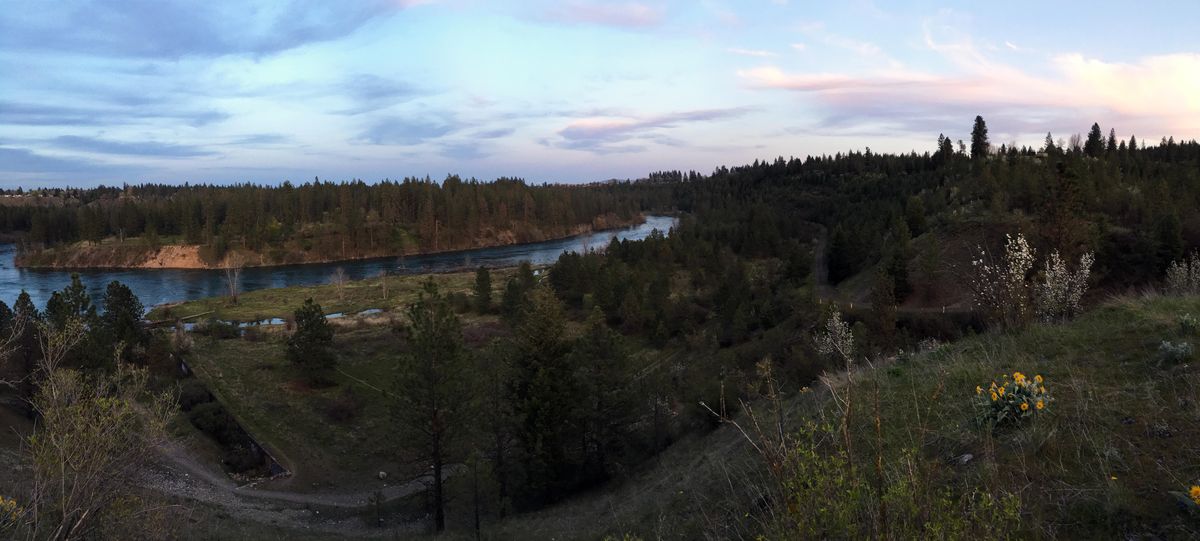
(1155, 95)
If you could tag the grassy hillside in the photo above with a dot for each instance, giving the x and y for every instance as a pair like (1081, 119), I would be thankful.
(1119, 436)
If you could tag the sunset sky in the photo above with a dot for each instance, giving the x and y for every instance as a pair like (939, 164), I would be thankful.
(561, 91)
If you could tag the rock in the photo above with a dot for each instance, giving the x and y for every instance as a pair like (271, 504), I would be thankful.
(382, 475)
(964, 459)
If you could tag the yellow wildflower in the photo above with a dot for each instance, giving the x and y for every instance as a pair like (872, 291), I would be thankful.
(1037, 378)
(978, 390)
(1018, 377)
(994, 397)
(1195, 494)
(1024, 406)
(1040, 404)
(1042, 390)
(1000, 391)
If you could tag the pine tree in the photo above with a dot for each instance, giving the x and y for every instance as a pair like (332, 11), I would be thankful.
(122, 319)
(979, 139)
(483, 290)
(430, 399)
(1111, 147)
(1094, 146)
(310, 346)
(608, 403)
(543, 394)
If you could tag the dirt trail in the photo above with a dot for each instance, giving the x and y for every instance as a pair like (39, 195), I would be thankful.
(181, 474)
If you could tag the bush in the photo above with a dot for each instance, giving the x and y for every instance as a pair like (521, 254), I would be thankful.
(243, 458)
(216, 328)
(1011, 401)
(212, 419)
(1183, 276)
(1059, 291)
(1188, 325)
(192, 393)
(1172, 353)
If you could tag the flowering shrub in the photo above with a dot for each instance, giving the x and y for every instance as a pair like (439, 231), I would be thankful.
(9, 513)
(1012, 400)
(1183, 276)
(1058, 292)
(837, 339)
(1174, 353)
(1189, 500)
(999, 287)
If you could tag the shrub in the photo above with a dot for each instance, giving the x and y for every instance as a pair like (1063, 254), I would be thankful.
(216, 328)
(999, 287)
(311, 346)
(837, 339)
(1059, 291)
(1188, 325)
(192, 393)
(1013, 400)
(212, 419)
(1174, 353)
(1183, 276)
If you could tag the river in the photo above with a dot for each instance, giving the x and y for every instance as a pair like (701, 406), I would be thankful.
(159, 286)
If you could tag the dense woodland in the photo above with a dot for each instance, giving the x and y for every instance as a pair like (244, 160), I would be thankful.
(413, 215)
(664, 324)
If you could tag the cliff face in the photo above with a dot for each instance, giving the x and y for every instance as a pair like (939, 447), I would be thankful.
(180, 256)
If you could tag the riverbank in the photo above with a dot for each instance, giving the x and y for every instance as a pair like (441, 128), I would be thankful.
(384, 294)
(137, 254)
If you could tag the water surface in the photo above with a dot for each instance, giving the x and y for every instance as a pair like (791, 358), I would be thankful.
(158, 286)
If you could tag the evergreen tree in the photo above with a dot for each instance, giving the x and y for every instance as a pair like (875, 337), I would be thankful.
(979, 139)
(310, 347)
(430, 398)
(607, 402)
(122, 320)
(1111, 146)
(542, 393)
(483, 290)
(1094, 146)
(72, 301)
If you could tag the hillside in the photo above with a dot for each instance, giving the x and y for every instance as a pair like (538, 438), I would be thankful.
(1101, 463)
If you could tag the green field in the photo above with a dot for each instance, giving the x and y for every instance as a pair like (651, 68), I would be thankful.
(353, 297)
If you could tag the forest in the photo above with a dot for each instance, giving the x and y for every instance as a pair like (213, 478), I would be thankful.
(332, 220)
(551, 386)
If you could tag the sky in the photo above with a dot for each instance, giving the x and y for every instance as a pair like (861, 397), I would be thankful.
(133, 91)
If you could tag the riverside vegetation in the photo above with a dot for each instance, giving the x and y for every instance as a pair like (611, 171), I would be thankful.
(823, 348)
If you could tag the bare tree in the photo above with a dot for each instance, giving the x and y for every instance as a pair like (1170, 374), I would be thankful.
(383, 283)
(233, 274)
(338, 279)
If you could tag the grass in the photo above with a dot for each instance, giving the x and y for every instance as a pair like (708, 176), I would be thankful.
(353, 297)
(1122, 432)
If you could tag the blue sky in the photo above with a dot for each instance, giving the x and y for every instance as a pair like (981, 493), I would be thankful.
(560, 91)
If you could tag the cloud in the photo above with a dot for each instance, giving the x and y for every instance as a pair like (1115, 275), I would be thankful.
(408, 131)
(21, 160)
(799, 47)
(752, 52)
(260, 140)
(621, 134)
(179, 28)
(124, 148)
(622, 15)
(35, 114)
(1072, 91)
(372, 93)
(865, 49)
